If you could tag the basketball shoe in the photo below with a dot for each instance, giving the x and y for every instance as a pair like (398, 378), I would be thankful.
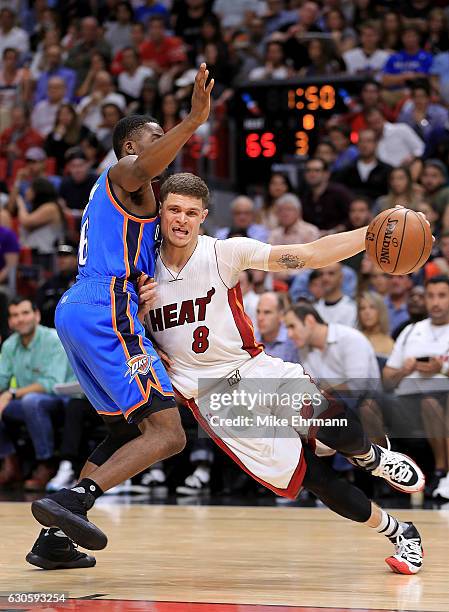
(67, 509)
(401, 472)
(409, 554)
(54, 550)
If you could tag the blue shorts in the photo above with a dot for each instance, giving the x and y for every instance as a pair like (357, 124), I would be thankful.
(116, 365)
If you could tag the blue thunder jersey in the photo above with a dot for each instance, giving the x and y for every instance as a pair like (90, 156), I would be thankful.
(96, 319)
(114, 242)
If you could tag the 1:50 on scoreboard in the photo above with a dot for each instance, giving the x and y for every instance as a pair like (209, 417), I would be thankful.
(312, 98)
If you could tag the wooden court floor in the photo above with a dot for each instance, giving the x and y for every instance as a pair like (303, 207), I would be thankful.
(220, 559)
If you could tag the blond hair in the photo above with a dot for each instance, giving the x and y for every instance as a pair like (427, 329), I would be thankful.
(377, 301)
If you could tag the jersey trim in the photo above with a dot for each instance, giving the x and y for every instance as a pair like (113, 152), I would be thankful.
(119, 206)
(294, 486)
(243, 322)
(123, 325)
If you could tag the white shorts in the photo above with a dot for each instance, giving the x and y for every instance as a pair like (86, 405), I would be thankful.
(258, 414)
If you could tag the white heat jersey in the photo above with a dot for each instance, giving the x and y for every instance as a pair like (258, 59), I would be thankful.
(198, 319)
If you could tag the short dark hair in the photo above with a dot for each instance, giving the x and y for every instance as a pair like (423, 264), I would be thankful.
(420, 84)
(320, 159)
(127, 128)
(15, 301)
(9, 50)
(302, 310)
(434, 280)
(186, 184)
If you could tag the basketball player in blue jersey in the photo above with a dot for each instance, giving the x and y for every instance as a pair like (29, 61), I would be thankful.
(97, 322)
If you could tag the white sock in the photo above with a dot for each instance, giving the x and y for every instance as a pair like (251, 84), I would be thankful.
(389, 526)
(203, 473)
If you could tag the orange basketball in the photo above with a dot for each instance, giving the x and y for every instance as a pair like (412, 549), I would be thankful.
(399, 241)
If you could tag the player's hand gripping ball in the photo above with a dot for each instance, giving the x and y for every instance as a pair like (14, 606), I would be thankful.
(399, 240)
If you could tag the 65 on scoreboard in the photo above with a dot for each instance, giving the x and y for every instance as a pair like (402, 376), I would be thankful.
(281, 122)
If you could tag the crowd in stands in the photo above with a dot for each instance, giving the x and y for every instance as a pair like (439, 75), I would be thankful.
(70, 70)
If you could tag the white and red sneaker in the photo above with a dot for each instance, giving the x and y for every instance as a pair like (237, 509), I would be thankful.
(408, 557)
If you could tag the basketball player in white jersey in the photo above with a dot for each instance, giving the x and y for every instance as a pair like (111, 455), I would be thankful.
(197, 319)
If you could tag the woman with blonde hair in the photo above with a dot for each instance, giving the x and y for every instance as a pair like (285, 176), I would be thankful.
(373, 322)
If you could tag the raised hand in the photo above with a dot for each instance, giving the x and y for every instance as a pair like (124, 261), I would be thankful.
(201, 96)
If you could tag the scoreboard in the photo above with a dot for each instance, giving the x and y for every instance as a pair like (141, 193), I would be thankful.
(280, 122)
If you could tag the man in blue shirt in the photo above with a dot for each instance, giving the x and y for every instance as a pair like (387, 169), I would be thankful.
(396, 300)
(55, 68)
(409, 64)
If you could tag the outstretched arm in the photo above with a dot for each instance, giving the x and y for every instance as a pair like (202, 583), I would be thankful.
(317, 254)
(131, 172)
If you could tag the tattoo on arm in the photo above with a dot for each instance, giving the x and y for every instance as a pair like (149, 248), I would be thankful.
(291, 262)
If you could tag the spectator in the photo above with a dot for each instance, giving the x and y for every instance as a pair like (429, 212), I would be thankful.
(368, 59)
(347, 153)
(237, 14)
(98, 64)
(118, 32)
(77, 183)
(398, 143)
(373, 322)
(11, 37)
(274, 64)
(55, 68)
(138, 33)
(148, 102)
(436, 39)
(409, 64)
(160, 51)
(343, 36)
(277, 18)
(440, 264)
(20, 136)
(359, 216)
(34, 356)
(9, 258)
(324, 204)
(111, 114)
(334, 306)
(439, 75)
(250, 297)
(211, 33)
(328, 350)
(422, 115)
(278, 185)
(43, 226)
(133, 75)
(292, 229)
(300, 289)
(416, 371)
(396, 300)
(367, 176)
(49, 294)
(416, 308)
(431, 215)
(326, 151)
(149, 9)
(44, 113)
(188, 23)
(15, 82)
(66, 133)
(401, 191)
(272, 332)
(170, 112)
(370, 97)
(90, 41)
(35, 161)
(323, 59)
(434, 179)
(314, 286)
(103, 92)
(391, 26)
(242, 222)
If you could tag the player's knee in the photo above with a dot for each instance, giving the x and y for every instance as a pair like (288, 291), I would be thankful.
(176, 440)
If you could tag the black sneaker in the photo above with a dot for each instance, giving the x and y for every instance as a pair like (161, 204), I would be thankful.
(52, 552)
(434, 482)
(409, 554)
(67, 509)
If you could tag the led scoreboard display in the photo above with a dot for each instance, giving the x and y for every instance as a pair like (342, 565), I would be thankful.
(281, 122)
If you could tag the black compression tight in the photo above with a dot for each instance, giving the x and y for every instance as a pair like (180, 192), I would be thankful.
(337, 494)
(348, 440)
